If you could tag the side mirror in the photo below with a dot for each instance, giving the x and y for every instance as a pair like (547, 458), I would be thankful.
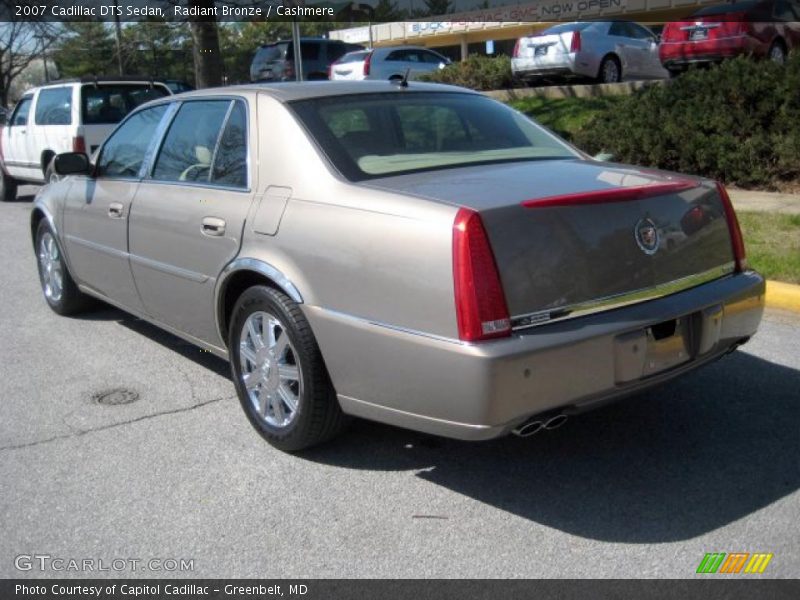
(604, 157)
(71, 163)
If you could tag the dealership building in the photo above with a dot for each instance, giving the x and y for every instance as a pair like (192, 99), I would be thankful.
(495, 30)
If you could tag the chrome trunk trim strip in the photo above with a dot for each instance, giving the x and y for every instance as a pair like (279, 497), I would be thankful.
(571, 311)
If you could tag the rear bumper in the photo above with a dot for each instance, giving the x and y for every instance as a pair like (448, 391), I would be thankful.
(681, 54)
(481, 391)
(564, 65)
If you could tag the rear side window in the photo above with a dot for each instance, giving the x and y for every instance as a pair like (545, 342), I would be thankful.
(230, 162)
(21, 112)
(54, 106)
(123, 153)
(104, 104)
(308, 51)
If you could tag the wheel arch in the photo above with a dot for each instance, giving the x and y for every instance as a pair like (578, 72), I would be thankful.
(613, 56)
(240, 275)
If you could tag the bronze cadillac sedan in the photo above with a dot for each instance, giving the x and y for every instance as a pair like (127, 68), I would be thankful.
(421, 255)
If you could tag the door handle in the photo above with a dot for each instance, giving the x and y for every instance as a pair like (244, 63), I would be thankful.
(213, 226)
(115, 210)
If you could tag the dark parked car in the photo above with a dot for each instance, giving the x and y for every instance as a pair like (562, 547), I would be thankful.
(763, 29)
(275, 62)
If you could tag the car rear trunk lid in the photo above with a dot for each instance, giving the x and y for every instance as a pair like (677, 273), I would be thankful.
(571, 237)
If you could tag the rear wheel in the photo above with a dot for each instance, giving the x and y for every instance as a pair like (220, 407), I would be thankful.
(777, 52)
(8, 187)
(50, 175)
(673, 73)
(58, 287)
(279, 373)
(610, 70)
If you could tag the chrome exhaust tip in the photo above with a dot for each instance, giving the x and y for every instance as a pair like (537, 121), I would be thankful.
(555, 422)
(528, 429)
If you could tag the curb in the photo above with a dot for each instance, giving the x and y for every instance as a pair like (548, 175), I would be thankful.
(783, 295)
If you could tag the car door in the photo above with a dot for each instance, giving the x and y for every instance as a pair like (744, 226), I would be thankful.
(97, 209)
(650, 60)
(628, 48)
(15, 152)
(188, 216)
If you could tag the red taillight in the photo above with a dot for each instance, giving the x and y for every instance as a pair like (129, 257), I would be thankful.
(481, 308)
(516, 49)
(367, 61)
(79, 144)
(575, 44)
(737, 241)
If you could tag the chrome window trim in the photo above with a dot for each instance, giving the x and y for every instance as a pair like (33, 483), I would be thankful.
(580, 309)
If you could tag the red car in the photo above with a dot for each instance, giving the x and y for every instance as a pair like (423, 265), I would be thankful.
(756, 28)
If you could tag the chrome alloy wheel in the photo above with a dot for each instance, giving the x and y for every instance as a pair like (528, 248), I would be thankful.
(50, 267)
(270, 370)
(610, 72)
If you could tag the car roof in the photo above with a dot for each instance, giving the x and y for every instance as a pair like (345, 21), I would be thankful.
(290, 91)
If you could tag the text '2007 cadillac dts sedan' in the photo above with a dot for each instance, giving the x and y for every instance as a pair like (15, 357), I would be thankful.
(419, 255)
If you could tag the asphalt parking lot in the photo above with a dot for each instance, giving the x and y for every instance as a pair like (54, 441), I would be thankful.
(643, 488)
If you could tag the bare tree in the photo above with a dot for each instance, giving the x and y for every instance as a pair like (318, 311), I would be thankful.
(21, 43)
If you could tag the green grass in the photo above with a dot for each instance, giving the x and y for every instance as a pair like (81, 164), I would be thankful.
(565, 116)
(772, 242)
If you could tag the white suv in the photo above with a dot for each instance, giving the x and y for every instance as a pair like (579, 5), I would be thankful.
(66, 116)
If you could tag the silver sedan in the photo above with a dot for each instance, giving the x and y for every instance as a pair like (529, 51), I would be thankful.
(422, 256)
(607, 51)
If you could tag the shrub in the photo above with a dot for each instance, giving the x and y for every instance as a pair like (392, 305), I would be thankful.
(476, 72)
(738, 122)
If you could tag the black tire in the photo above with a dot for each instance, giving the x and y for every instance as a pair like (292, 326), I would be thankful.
(50, 173)
(604, 73)
(8, 187)
(777, 52)
(71, 300)
(673, 73)
(317, 417)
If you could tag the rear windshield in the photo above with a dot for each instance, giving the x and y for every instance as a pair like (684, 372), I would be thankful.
(353, 57)
(109, 103)
(565, 27)
(375, 135)
(272, 53)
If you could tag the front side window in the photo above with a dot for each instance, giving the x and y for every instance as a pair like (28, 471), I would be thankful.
(110, 103)
(20, 116)
(188, 148)
(54, 106)
(373, 135)
(125, 150)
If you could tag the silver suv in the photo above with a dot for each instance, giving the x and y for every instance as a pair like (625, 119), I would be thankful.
(275, 62)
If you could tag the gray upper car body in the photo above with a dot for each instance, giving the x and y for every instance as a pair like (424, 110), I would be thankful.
(609, 51)
(392, 218)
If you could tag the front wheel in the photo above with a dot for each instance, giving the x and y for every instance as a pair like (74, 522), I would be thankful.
(58, 287)
(8, 187)
(279, 373)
